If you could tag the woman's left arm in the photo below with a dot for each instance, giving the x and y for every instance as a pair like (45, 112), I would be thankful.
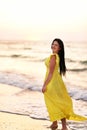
(51, 70)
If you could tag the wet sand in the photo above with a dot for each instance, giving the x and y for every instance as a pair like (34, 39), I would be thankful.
(10, 118)
(20, 122)
(16, 112)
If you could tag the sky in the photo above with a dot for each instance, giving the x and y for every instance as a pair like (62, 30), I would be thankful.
(43, 19)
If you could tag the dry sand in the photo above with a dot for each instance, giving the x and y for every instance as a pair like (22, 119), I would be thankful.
(19, 122)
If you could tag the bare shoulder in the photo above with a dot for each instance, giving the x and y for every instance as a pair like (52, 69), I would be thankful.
(53, 57)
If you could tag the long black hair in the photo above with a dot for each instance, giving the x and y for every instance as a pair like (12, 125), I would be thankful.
(61, 54)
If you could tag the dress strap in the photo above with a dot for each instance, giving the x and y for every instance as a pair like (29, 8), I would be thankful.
(57, 57)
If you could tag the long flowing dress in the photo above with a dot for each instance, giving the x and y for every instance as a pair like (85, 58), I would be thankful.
(58, 102)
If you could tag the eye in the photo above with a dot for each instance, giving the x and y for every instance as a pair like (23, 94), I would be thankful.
(55, 44)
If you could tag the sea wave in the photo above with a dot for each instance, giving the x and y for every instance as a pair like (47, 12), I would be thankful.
(78, 94)
(19, 80)
(20, 55)
(26, 82)
(83, 62)
(79, 61)
(77, 69)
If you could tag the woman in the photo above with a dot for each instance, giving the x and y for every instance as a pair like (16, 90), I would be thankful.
(57, 99)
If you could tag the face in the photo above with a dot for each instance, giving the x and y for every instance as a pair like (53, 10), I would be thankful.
(55, 47)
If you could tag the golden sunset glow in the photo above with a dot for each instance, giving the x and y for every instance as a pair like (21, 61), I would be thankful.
(43, 19)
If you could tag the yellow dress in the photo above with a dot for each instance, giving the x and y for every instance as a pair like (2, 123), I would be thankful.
(58, 102)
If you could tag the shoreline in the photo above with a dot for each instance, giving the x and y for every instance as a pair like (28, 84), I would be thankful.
(17, 105)
(31, 81)
(12, 120)
(19, 122)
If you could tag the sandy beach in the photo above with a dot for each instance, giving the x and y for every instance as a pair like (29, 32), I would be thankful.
(10, 118)
(15, 114)
(19, 122)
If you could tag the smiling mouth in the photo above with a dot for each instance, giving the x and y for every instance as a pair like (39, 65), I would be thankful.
(53, 48)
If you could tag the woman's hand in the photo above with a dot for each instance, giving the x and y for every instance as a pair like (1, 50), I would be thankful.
(43, 89)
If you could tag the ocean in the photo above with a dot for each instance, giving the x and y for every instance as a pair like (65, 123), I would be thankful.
(22, 65)
(31, 54)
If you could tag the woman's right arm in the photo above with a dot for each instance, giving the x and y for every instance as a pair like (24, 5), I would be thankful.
(51, 70)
